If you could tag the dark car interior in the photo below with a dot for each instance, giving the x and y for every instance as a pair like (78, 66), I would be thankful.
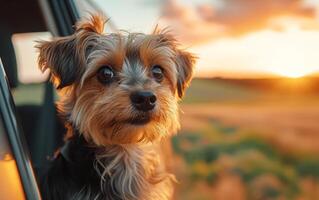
(42, 128)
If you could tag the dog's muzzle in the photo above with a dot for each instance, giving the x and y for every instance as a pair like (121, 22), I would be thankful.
(143, 100)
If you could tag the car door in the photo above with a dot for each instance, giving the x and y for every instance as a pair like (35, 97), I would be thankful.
(16, 170)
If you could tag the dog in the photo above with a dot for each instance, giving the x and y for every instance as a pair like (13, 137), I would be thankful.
(119, 95)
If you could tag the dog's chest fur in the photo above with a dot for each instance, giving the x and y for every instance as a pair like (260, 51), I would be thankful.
(126, 172)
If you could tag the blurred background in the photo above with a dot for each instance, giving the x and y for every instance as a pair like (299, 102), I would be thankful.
(250, 117)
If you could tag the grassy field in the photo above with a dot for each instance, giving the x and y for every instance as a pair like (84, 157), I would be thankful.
(242, 140)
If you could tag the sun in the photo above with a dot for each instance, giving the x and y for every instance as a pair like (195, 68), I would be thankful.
(291, 72)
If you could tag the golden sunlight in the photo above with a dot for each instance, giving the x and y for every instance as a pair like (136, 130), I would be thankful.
(11, 188)
(260, 54)
(292, 73)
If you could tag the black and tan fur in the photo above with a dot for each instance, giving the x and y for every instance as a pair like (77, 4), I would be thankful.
(107, 156)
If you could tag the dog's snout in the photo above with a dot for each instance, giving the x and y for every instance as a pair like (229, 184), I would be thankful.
(143, 100)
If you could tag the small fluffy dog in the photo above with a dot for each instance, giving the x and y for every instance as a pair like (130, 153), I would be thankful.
(119, 98)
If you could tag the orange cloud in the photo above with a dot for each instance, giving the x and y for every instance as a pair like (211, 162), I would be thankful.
(187, 23)
(246, 15)
(204, 22)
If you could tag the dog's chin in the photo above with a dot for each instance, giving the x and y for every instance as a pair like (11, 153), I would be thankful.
(140, 127)
(140, 120)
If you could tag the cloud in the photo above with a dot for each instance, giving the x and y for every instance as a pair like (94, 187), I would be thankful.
(187, 23)
(202, 22)
(247, 15)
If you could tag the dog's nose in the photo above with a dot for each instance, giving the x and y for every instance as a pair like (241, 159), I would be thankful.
(143, 100)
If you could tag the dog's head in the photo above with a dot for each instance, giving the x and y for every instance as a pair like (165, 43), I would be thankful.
(121, 87)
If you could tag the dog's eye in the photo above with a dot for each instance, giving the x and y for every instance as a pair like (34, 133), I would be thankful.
(105, 74)
(157, 73)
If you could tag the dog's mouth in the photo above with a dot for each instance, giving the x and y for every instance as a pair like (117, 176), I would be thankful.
(140, 119)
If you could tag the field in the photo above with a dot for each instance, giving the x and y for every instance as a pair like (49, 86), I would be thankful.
(248, 139)
(242, 139)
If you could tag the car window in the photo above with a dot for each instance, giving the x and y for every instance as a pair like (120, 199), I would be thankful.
(10, 184)
(26, 53)
(30, 89)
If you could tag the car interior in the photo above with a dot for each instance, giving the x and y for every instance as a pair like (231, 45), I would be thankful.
(39, 123)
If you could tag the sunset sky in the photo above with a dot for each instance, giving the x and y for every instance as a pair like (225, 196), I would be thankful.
(232, 38)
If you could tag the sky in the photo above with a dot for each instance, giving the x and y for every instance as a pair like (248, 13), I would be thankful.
(232, 38)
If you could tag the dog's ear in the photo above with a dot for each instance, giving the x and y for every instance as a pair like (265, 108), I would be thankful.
(185, 61)
(94, 24)
(66, 56)
(60, 56)
(185, 66)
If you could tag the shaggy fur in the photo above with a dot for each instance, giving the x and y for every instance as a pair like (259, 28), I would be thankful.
(106, 156)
